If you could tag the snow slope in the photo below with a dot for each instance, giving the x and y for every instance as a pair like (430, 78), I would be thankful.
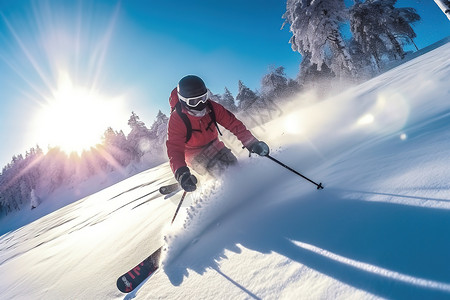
(379, 229)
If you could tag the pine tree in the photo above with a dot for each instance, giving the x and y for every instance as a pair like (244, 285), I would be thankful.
(52, 170)
(402, 21)
(227, 100)
(19, 177)
(362, 61)
(139, 136)
(216, 98)
(115, 144)
(311, 76)
(274, 84)
(245, 96)
(34, 199)
(381, 29)
(135, 123)
(315, 27)
(159, 128)
(158, 133)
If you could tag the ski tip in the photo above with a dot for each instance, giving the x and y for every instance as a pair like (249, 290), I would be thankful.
(320, 186)
(168, 189)
(135, 277)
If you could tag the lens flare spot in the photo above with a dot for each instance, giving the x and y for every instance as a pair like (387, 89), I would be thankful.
(366, 119)
(292, 124)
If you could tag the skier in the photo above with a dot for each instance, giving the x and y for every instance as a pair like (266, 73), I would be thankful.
(192, 138)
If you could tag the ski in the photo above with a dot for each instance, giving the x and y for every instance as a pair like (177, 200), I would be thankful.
(168, 189)
(133, 278)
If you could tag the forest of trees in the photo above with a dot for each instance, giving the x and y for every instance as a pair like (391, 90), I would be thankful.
(378, 32)
(27, 178)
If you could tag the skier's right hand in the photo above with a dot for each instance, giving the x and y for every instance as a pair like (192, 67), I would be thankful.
(260, 148)
(186, 179)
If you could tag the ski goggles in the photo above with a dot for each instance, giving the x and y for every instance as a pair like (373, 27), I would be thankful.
(194, 101)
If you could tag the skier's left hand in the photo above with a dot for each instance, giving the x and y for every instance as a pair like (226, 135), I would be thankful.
(260, 148)
(186, 179)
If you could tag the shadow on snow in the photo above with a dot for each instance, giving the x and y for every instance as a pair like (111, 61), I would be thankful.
(389, 250)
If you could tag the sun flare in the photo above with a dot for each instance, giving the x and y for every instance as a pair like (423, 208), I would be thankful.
(74, 118)
(292, 124)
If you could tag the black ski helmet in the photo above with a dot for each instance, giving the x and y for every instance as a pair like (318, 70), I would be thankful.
(191, 86)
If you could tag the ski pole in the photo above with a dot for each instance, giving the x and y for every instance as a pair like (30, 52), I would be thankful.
(319, 186)
(179, 205)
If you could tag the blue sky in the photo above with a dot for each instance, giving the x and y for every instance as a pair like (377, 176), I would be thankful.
(127, 56)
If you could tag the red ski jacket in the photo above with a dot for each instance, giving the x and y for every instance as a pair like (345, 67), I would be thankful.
(181, 153)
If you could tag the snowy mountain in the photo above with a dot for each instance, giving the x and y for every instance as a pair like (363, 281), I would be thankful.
(379, 229)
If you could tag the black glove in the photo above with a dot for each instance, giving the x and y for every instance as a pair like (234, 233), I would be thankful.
(259, 148)
(186, 179)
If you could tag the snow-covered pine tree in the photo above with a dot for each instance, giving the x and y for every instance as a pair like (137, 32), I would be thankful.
(115, 144)
(311, 76)
(52, 170)
(403, 18)
(18, 178)
(245, 96)
(158, 133)
(366, 31)
(159, 127)
(25, 190)
(136, 124)
(381, 28)
(139, 136)
(34, 200)
(5, 188)
(315, 27)
(274, 84)
(227, 100)
(87, 166)
(257, 109)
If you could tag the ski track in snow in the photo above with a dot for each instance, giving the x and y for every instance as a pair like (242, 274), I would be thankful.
(377, 230)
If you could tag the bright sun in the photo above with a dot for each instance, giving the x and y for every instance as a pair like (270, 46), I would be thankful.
(75, 118)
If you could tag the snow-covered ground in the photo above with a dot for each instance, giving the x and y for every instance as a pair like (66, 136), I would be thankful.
(379, 229)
